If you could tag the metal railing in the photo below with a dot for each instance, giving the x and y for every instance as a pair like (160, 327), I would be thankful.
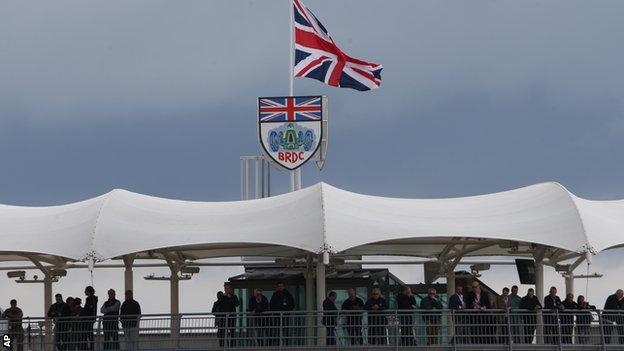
(441, 329)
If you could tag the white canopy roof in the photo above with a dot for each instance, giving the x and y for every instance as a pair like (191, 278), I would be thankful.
(313, 219)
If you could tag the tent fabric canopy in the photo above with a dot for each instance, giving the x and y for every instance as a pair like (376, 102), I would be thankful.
(315, 219)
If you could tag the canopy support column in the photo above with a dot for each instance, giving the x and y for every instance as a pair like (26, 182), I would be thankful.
(174, 285)
(309, 298)
(569, 283)
(320, 297)
(48, 279)
(174, 294)
(174, 288)
(538, 255)
(128, 274)
(569, 276)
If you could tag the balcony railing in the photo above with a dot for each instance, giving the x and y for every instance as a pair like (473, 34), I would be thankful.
(443, 330)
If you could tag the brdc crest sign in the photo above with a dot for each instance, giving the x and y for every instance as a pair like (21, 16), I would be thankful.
(292, 130)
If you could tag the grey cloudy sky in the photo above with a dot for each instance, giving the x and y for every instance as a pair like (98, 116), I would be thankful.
(159, 97)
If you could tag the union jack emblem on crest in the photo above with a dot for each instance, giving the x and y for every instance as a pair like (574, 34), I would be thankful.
(306, 108)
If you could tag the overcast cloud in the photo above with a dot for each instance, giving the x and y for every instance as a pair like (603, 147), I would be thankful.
(159, 97)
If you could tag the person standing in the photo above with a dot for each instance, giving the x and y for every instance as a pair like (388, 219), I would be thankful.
(432, 319)
(614, 313)
(282, 302)
(90, 314)
(329, 317)
(503, 305)
(78, 337)
(353, 307)
(458, 305)
(583, 320)
(110, 321)
(14, 317)
(530, 303)
(219, 318)
(130, 319)
(229, 305)
(405, 304)
(515, 319)
(567, 318)
(59, 312)
(376, 305)
(257, 306)
(478, 301)
(552, 305)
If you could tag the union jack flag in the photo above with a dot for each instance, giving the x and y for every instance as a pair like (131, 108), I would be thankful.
(284, 109)
(318, 57)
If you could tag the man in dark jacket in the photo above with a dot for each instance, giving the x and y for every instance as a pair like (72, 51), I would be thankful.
(217, 310)
(478, 301)
(457, 303)
(130, 315)
(257, 306)
(110, 321)
(14, 316)
(405, 304)
(353, 307)
(376, 305)
(89, 311)
(59, 312)
(584, 320)
(552, 305)
(431, 317)
(229, 305)
(530, 303)
(567, 318)
(282, 302)
(614, 313)
(329, 317)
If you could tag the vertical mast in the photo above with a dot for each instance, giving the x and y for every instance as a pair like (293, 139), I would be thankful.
(295, 176)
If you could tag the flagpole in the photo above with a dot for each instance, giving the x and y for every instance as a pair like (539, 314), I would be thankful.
(295, 176)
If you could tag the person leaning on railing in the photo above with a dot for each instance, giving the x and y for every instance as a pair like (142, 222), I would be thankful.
(329, 317)
(257, 306)
(89, 313)
(552, 306)
(217, 309)
(503, 304)
(376, 305)
(432, 318)
(110, 321)
(352, 308)
(567, 318)
(130, 316)
(583, 319)
(59, 312)
(614, 314)
(530, 303)
(480, 322)
(515, 316)
(457, 303)
(280, 304)
(229, 305)
(14, 317)
(405, 303)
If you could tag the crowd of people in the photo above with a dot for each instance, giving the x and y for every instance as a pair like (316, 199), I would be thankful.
(74, 322)
(478, 318)
(561, 318)
(269, 329)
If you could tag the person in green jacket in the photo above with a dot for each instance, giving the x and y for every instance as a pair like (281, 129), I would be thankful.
(431, 317)
(515, 319)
